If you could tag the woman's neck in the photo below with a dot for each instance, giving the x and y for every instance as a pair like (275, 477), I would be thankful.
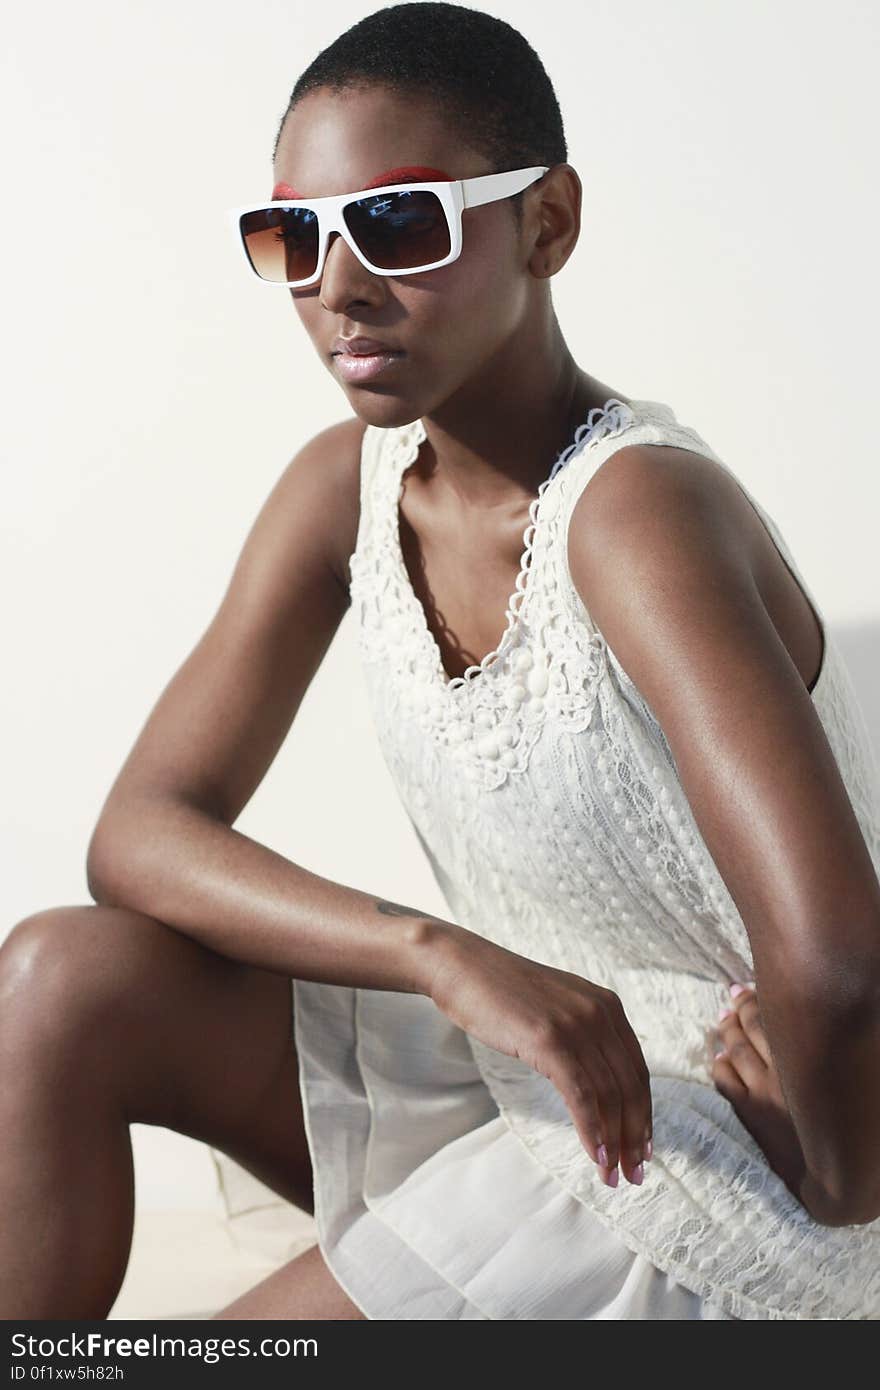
(492, 443)
(497, 458)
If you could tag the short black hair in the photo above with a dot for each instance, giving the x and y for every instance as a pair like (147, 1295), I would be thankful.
(490, 83)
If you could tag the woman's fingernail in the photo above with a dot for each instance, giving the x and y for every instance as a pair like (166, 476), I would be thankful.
(649, 1149)
(726, 1013)
(613, 1177)
(603, 1155)
(638, 1174)
(741, 989)
(721, 1051)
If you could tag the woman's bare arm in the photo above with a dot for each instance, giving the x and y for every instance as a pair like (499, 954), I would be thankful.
(659, 555)
(164, 842)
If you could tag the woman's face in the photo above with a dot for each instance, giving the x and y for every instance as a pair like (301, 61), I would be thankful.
(449, 323)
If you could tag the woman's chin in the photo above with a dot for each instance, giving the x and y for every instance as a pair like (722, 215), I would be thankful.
(382, 410)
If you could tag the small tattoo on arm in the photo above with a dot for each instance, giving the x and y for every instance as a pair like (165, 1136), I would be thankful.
(398, 910)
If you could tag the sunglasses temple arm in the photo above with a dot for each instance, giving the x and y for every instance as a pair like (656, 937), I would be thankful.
(488, 188)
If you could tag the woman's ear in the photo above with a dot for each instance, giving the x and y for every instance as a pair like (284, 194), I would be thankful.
(553, 219)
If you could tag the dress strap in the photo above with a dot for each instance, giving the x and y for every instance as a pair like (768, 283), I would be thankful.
(371, 456)
(650, 422)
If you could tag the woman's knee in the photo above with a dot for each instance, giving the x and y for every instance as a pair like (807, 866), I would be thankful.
(66, 971)
(178, 1034)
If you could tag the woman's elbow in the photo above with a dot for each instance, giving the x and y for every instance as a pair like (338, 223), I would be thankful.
(849, 1208)
(834, 1071)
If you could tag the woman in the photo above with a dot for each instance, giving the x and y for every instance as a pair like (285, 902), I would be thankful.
(647, 799)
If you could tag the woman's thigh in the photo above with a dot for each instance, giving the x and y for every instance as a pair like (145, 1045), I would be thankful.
(301, 1290)
(185, 1037)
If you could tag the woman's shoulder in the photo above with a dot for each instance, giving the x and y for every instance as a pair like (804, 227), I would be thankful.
(332, 460)
(669, 552)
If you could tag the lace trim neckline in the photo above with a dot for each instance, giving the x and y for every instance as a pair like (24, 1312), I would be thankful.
(611, 418)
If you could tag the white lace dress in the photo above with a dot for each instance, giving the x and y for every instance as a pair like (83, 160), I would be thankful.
(450, 1181)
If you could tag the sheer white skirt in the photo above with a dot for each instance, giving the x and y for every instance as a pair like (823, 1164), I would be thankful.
(426, 1204)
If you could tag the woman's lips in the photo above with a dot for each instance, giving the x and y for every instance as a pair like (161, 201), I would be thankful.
(359, 367)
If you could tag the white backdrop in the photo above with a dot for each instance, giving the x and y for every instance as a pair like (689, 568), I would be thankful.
(154, 390)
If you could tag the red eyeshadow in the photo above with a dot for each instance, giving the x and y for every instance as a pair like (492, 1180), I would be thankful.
(410, 173)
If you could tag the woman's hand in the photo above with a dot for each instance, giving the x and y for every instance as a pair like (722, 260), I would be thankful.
(571, 1031)
(744, 1072)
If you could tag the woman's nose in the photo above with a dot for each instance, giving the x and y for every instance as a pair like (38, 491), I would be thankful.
(343, 276)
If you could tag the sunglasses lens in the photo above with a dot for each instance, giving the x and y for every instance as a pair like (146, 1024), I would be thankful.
(400, 231)
(281, 243)
(395, 231)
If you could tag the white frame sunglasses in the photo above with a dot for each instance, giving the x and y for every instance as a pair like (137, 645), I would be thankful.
(454, 195)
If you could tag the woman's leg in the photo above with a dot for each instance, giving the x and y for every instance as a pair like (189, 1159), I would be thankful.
(107, 1017)
(304, 1288)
